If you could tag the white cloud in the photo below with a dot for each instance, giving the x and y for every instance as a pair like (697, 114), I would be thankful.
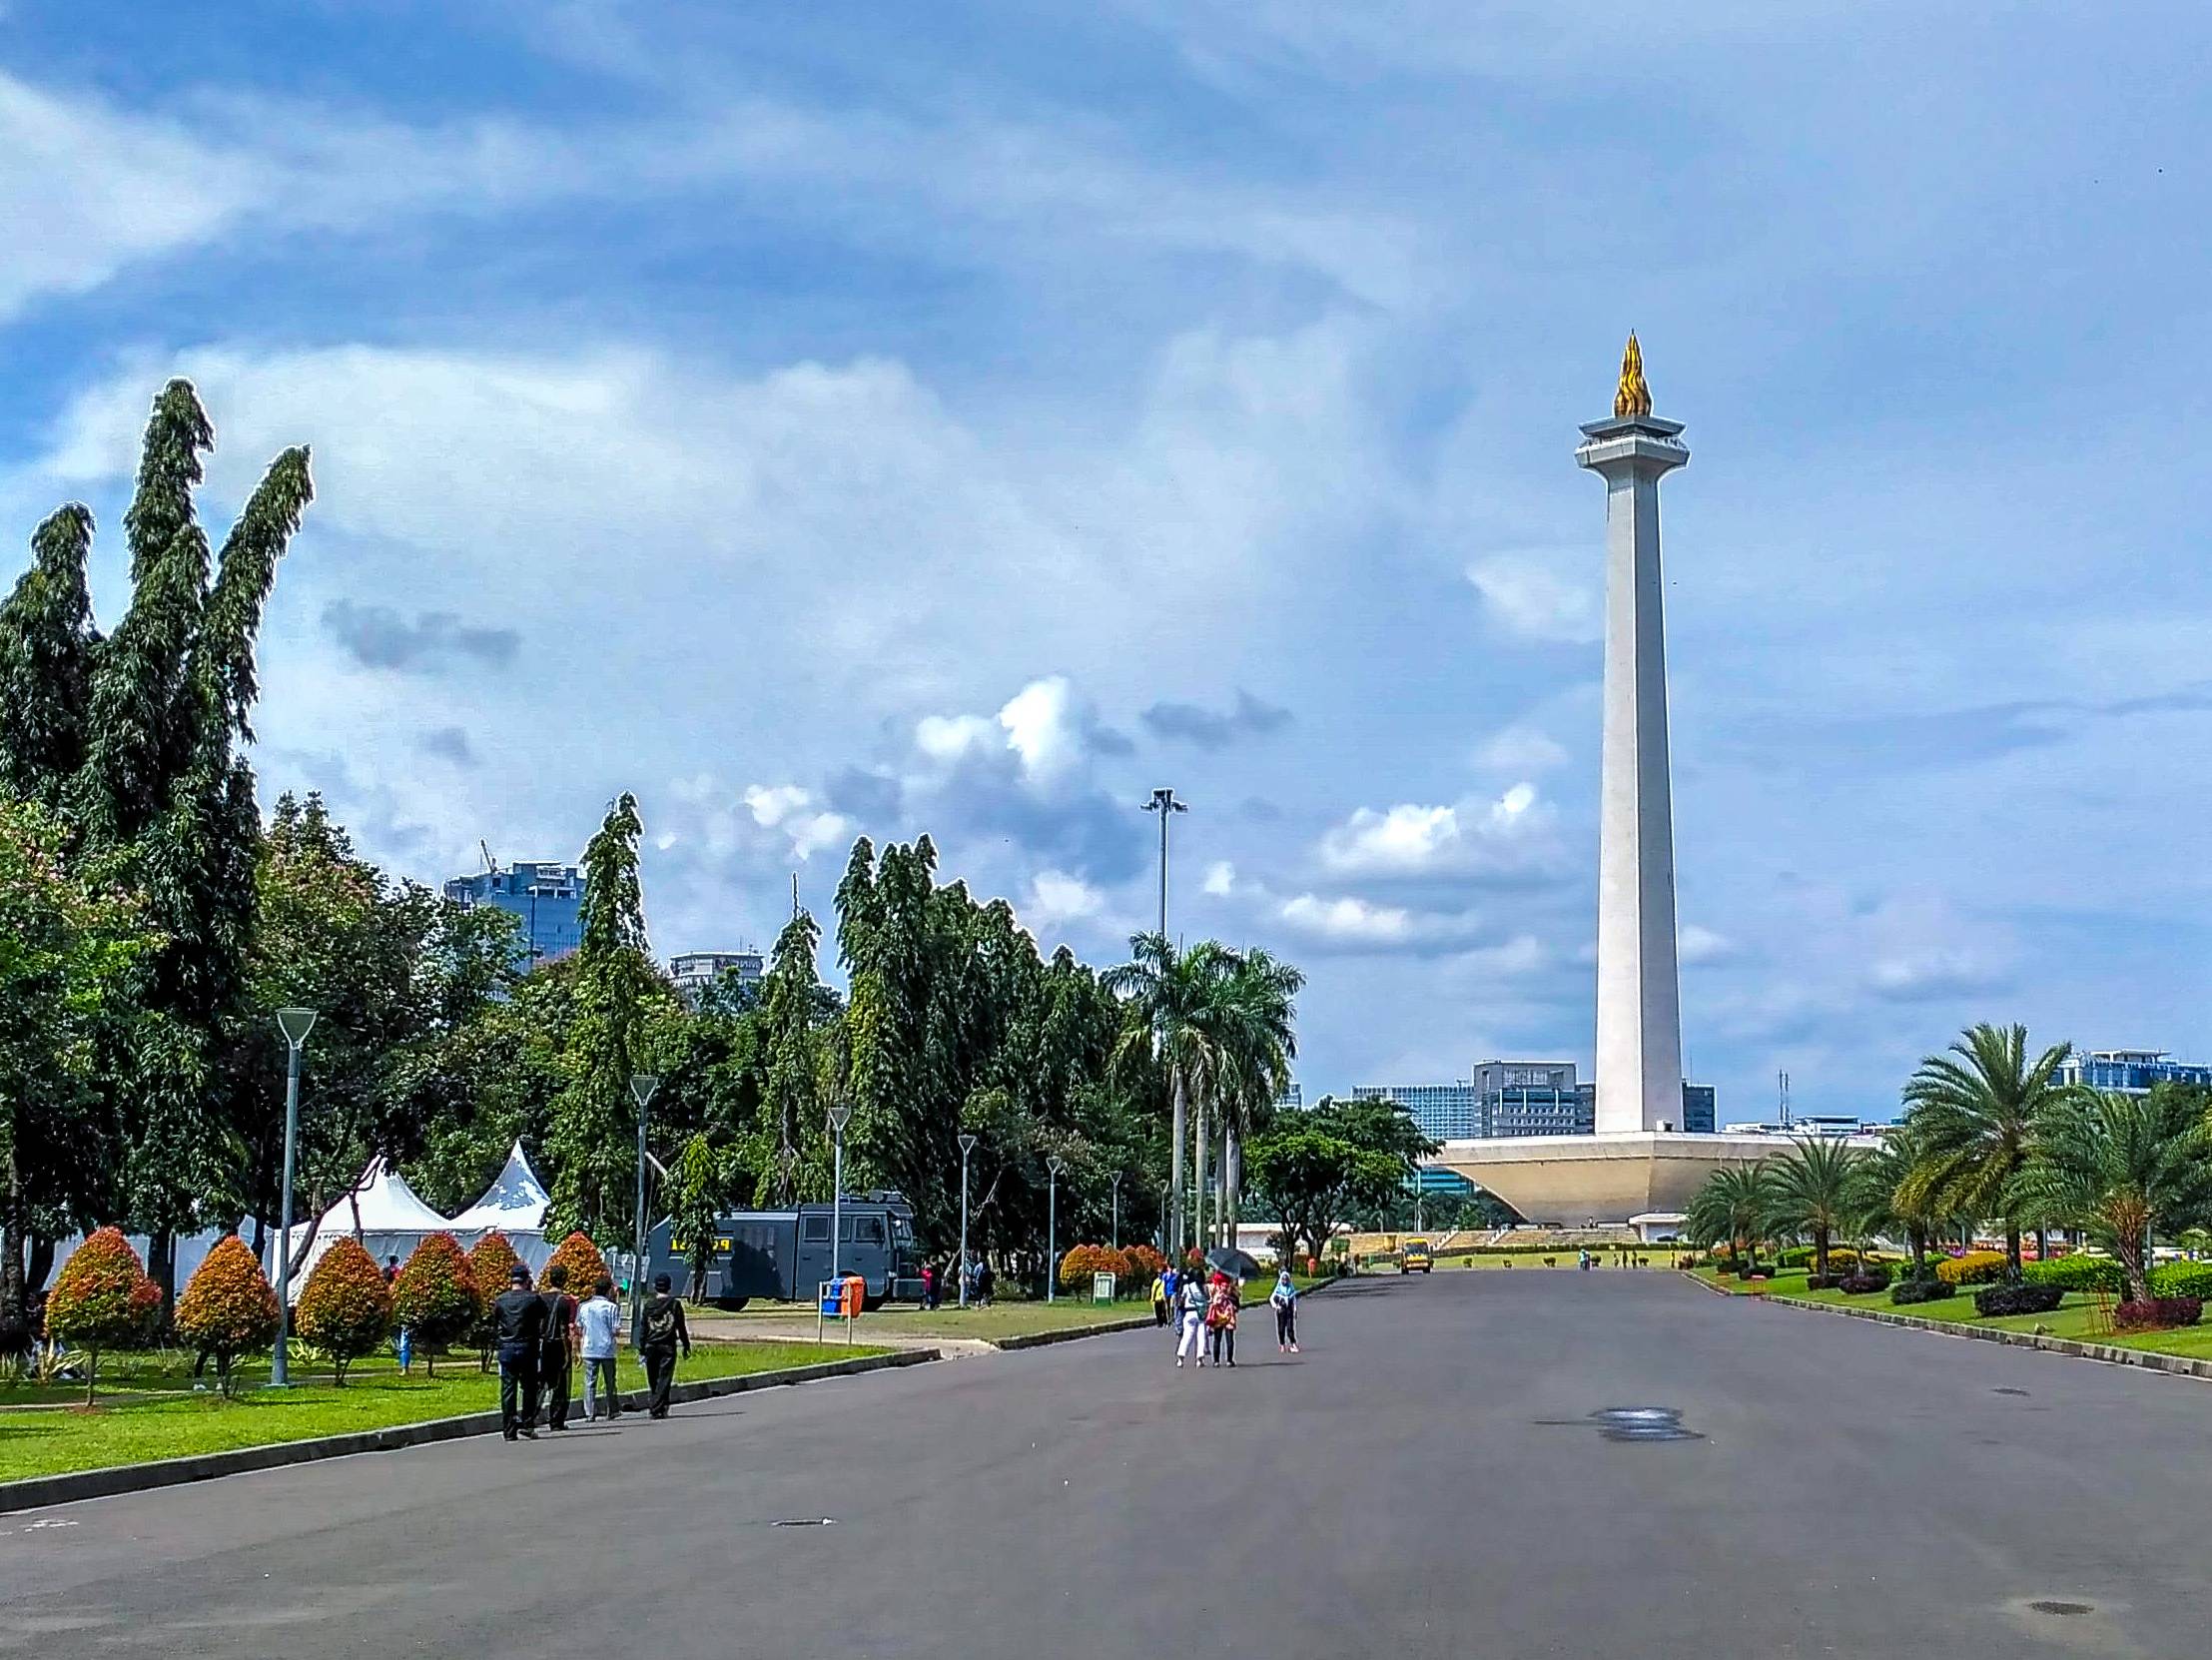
(1220, 879)
(1056, 898)
(1695, 944)
(1347, 920)
(792, 810)
(1528, 594)
(1412, 839)
(1042, 728)
(1523, 750)
(949, 737)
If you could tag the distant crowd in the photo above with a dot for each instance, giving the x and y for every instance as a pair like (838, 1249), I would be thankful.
(540, 1335)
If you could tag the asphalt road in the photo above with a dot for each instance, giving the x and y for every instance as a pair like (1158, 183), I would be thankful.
(1426, 1480)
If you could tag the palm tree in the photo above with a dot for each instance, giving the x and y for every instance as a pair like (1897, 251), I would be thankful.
(1814, 1189)
(1175, 1001)
(1885, 1198)
(2120, 1165)
(1733, 1203)
(1260, 1041)
(1976, 1117)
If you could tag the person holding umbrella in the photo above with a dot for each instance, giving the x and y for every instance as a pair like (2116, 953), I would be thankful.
(1220, 1319)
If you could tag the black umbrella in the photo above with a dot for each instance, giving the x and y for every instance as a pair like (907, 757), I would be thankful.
(1237, 1264)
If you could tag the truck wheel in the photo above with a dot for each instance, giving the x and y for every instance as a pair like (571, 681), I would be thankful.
(731, 1304)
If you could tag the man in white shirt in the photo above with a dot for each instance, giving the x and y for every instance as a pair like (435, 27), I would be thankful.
(600, 1321)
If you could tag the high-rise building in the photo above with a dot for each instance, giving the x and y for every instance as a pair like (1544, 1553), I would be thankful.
(694, 971)
(1294, 1095)
(2130, 1070)
(1532, 1097)
(1445, 1112)
(548, 898)
(1697, 1109)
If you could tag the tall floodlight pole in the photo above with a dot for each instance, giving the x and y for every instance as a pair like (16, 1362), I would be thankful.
(841, 1113)
(966, 1145)
(1051, 1225)
(642, 1086)
(1163, 803)
(1118, 1175)
(296, 1024)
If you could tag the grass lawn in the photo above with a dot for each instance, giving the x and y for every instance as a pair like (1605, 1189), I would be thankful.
(2072, 1318)
(132, 1428)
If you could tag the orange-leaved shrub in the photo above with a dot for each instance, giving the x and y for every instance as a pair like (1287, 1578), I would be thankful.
(103, 1299)
(435, 1296)
(1977, 1268)
(1142, 1264)
(491, 1262)
(1084, 1261)
(581, 1259)
(229, 1308)
(345, 1307)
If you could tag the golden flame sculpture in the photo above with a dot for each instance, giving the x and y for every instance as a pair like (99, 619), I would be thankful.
(1634, 397)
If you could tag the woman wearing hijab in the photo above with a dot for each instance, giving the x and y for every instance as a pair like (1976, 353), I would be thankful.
(1193, 1322)
(1284, 1300)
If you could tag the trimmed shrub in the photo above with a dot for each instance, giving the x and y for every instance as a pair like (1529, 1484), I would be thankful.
(1872, 1277)
(1977, 1268)
(2183, 1280)
(1080, 1263)
(580, 1257)
(435, 1296)
(229, 1309)
(2160, 1313)
(1907, 1292)
(491, 1263)
(103, 1299)
(1142, 1264)
(1823, 1281)
(1992, 1300)
(2077, 1274)
(345, 1307)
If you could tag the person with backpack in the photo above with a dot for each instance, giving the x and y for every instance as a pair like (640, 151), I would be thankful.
(1191, 1338)
(1170, 1283)
(554, 1353)
(599, 1324)
(663, 1329)
(519, 1333)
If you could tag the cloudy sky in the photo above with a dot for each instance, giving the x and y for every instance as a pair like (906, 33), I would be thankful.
(826, 420)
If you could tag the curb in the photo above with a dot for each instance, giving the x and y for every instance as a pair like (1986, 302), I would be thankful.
(35, 1492)
(1038, 1340)
(2146, 1359)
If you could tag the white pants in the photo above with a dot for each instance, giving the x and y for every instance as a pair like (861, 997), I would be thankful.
(1193, 1337)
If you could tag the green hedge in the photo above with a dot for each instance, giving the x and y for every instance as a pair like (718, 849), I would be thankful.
(2182, 1279)
(2077, 1274)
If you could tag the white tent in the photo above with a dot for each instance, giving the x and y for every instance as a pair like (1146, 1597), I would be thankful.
(514, 1203)
(393, 1222)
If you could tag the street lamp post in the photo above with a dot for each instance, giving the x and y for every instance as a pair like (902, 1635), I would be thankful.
(1051, 1225)
(296, 1024)
(642, 1086)
(841, 1113)
(966, 1145)
(1118, 1175)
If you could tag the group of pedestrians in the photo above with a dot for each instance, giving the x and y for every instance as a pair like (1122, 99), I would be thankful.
(540, 1335)
(1205, 1310)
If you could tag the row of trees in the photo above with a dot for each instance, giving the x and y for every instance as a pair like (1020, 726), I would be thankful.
(150, 921)
(1989, 1133)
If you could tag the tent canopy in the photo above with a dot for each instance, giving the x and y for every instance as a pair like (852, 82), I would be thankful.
(515, 1203)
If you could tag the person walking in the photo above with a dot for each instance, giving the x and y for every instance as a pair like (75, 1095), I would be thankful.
(1220, 1319)
(1190, 1339)
(664, 1328)
(1284, 1300)
(558, 1347)
(985, 1281)
(928, 1287)
(598, 1324)
(517, 1333)
(1159, 1298)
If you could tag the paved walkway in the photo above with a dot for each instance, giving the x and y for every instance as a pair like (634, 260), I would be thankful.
(1426, 1480)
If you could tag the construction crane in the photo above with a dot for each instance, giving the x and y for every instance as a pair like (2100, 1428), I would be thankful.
(491, 865)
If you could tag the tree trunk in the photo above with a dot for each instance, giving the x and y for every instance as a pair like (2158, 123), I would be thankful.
(161, 1268)
(2042, 1245)
(1819, 1251)
(2012, 1247)
(1174, 1180)
(1233, 1172)
(15, 1296)
(1198, 1150)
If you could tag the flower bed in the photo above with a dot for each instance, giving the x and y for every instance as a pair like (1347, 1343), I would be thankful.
(1922, 1291)
(2160, 1313)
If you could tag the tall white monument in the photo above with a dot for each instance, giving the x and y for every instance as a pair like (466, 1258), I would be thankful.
(1638, 994)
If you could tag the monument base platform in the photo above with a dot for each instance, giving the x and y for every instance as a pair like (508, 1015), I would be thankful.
(1570, 1180)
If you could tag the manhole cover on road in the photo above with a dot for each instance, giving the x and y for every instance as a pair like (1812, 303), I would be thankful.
(2009, 1391)
(2047, 1606)
(1643, 1423)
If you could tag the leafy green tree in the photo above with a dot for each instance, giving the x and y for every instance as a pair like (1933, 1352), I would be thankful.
(786, 1146)
(1974, 1110)
(46, 649)
(1887, 1198)
(1260, 1041)
(2121, 1165)
(696, 1190)
(1313, 1180)
(1178, 1002)
(1814, 1189)
(592, 1143)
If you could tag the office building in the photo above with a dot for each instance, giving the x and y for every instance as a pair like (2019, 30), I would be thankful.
(1445, 1112)
(1294, 1095)
(1534, 1098)
(694, 971)
(2130, 1070)
(550, 899)
(1697, 1109)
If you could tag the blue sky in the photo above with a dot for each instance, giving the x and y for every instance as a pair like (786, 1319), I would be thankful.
(849, 419)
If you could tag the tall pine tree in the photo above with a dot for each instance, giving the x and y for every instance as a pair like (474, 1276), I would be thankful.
(46, 646)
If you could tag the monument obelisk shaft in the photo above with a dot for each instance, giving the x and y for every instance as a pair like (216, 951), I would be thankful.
(1638, 993)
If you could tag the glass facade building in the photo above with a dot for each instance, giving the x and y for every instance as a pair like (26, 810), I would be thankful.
(694, 971)
(1515, 1099)
(2130, 1070)
(548, 898)
(1445, 1112)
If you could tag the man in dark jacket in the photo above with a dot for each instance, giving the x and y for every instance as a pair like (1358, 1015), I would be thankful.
(661, 1329)
(517, 1332)
(553, 1356)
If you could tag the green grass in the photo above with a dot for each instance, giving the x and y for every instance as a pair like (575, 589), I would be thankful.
(129, 1428)
(2071, 1319)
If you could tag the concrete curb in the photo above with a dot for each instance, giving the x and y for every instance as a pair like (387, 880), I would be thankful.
(2177, 1365)
(35, 1492)
(1129, 1322)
